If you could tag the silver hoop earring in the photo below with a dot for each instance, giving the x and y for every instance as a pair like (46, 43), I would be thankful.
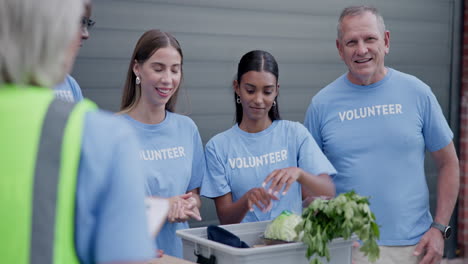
(274, 103)
(238, 101)
(137, 80)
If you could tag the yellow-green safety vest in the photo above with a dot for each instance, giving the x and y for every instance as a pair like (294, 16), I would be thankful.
(40, 143)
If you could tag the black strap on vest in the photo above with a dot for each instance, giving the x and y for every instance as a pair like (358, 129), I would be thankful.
(46, 181)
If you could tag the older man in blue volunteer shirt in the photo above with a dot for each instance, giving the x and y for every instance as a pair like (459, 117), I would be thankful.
(374, 124)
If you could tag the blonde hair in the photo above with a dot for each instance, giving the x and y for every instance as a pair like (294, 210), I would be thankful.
(34, 39)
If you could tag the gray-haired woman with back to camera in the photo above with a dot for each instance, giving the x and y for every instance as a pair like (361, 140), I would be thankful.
(68, 191)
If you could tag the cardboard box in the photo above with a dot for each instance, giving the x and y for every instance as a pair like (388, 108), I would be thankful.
(166, 259)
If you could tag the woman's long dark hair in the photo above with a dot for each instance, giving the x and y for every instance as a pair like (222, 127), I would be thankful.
(257, 60)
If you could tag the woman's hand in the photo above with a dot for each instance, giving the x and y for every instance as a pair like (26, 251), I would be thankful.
(260, 198)
(193, 208)
(159, 253)
(182, 208)
(282, 178)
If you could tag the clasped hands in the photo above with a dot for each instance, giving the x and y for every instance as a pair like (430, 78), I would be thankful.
(182, 208)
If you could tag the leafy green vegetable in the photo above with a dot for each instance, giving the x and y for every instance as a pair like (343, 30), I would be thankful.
(348, 213)
(283, 227)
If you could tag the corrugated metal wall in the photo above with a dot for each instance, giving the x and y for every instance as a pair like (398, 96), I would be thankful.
(301, 34)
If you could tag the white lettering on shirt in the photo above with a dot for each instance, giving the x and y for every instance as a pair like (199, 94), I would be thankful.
(258, 161)
(162, 154)
(370, 111)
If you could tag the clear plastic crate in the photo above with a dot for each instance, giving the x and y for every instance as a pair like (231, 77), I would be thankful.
(195, 240)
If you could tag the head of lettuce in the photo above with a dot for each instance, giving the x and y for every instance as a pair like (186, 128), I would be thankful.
(283, 227)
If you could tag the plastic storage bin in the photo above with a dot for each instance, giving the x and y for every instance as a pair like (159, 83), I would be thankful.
(195, 240)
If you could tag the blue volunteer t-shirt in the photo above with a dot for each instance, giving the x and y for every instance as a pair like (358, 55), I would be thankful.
(69, 90)
(173, 161)
(376, 137)
(110, 220)
(238, 161)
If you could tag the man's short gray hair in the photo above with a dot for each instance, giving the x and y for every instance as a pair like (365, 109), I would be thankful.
(34, 39)
(359, 10)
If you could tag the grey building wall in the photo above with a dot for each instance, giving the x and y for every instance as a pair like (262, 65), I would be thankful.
(301, 34)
